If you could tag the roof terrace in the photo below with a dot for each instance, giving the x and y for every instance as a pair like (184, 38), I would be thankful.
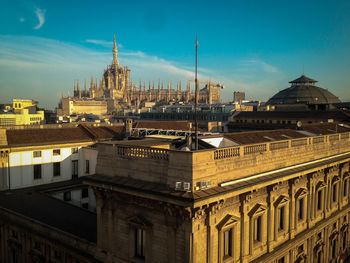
(203, 169)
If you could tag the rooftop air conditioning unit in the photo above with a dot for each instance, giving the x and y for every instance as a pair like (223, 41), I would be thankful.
(178, 186)
(187, 186)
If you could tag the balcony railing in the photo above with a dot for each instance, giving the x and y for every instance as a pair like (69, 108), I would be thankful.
(133, 152)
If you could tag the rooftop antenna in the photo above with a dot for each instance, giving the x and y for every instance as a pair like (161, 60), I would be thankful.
(303, 69)
(196, 100)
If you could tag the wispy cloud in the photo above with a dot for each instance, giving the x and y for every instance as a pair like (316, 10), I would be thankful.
(103, 43)
(21, 19)
(40, 13)
(99, 42)
(259, 63)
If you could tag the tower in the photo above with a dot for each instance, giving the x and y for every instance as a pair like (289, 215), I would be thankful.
(115, 54)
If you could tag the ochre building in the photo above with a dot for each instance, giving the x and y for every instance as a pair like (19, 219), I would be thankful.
(278, 201)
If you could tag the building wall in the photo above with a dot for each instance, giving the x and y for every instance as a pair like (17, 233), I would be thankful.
(82, 106)
(22, 118)
(181, 233)
(19, 169)
(82, 196)
(26, 241)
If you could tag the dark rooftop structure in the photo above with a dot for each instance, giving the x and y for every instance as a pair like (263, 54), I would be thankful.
(51, 212)
(303, 91)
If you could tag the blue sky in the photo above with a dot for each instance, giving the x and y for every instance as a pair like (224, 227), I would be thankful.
(251, 46)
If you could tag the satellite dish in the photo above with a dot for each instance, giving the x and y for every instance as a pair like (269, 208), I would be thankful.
(299, 124)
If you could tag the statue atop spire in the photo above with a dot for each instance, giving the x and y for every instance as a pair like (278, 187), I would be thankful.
(115, 54)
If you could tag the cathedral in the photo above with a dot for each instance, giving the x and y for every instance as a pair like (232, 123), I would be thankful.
(117, 85)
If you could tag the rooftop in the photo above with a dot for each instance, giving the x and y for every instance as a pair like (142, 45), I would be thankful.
(296, 115)
(51, 212)
(251, 153)
(81, 133)
(303, 90)
(303, 79)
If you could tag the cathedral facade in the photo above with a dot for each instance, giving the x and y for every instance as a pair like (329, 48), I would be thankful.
(117, 85)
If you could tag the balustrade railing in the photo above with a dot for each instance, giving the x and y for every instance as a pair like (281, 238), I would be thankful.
(334, 137)
(132, 152)
(256, 148)
(318, 139)
(274, 146)
(226, 153)
(279, 145)
(299, 142)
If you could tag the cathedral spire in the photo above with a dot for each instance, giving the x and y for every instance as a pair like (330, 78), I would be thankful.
(115, 54)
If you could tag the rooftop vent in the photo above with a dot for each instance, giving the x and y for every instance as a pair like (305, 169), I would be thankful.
(182, 186)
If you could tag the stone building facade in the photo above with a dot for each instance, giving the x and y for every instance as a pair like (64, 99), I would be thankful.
(284, 201)
(116, 84)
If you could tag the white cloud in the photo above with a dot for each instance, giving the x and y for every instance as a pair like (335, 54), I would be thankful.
(100, 42)
(103, 43)
(259, 63)
(40, 13)
(21, 19)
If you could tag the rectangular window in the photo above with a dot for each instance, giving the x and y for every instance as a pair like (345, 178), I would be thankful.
(84, 193)
(37, 171)
(301, 209)
(334, 248)
(334, 190)
(281, 218)
(345, 191)
(74, 150)
(87, 166)
(257, 229)
(344, 239)
(36, 154)
(57, 255)
(301, 249)
(37, 245)
(67, 196)
(228, 243)
(56, 152)
(140, 243)
(56, 169)
(75, 169)
(281, 260)
(319, 200)
(319, 257)
(14, 255)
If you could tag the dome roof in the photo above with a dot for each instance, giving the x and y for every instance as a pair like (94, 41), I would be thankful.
(303, 90)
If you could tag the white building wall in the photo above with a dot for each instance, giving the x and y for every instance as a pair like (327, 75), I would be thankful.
(22, 166)
(90, 154)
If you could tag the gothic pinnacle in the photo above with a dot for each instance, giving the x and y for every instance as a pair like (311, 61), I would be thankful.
(115, 53)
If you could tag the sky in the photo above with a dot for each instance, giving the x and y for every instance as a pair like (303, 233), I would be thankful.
(251, 46)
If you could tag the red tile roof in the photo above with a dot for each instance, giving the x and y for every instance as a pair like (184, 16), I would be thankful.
(43, 136)
(294, 115)
(165, 125)
(263, 136)
(324, 128)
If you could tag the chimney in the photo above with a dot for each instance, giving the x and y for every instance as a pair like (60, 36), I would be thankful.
(128, 127)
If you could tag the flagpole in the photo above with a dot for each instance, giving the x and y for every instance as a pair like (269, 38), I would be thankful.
(196, 100)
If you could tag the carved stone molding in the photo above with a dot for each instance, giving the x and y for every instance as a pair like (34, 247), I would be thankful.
(215, 207)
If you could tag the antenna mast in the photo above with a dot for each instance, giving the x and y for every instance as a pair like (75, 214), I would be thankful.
(196, 101)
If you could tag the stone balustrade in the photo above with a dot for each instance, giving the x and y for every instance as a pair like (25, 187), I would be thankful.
(216, 165)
